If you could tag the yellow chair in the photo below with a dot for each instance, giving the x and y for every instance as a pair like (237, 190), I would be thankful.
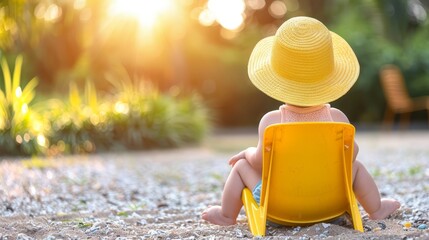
(306, 176)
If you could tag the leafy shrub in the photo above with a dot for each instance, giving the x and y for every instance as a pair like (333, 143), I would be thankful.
(136, 116)
(21, 128)
(143, 118)
(77, 125)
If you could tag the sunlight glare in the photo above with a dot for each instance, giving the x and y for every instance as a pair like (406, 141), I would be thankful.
(228, 13)
(121, 107)
(24, 109)
(18, 92)
(41, 140)
(146, 12)
(206, 18)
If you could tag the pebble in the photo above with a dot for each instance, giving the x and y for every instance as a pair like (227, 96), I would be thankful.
(382, 225)
(152, 232)
(23, 236)
(326, 225)
(142, 222)
(422, 226)
(238, 233)
(296, 230)
(406, 224)
(92, 229)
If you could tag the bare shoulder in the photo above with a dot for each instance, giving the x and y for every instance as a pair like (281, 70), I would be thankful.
(338, 115)
(270, 118)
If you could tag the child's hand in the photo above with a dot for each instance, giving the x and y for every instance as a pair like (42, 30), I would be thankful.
(234, 159)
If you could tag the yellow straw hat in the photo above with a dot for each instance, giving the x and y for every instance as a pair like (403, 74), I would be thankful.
(304, 64)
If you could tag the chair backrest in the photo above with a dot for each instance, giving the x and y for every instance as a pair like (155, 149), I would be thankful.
(307, 171)
(395, 91)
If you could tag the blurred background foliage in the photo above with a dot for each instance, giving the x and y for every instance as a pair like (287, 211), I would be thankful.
(135, 74)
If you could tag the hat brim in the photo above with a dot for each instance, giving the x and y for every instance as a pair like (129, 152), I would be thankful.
(344, 75)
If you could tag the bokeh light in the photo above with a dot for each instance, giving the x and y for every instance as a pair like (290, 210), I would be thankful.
(256, 4)
(228, 13)
(146, 12)
(278, 9)
(49, 12)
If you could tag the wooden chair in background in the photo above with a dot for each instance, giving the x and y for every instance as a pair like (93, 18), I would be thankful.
(397, 96)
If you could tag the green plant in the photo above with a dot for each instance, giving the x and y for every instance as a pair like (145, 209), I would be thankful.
(21, 128)
(415, 170)
(383, 33)
(78, 125)
(136, 116)
(144, 118)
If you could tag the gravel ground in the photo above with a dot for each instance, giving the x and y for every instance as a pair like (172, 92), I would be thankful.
(160, 194)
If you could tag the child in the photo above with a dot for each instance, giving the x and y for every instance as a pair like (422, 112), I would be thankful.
(305, 66)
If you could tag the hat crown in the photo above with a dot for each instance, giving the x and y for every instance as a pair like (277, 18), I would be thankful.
(303, 51)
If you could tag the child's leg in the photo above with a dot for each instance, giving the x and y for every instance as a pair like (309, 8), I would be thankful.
(367, 194)
(242, 175)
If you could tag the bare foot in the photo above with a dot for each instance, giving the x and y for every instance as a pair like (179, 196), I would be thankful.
(387, 207)
(214, 215)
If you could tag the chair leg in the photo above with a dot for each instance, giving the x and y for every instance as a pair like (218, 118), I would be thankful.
(256, 216)
(405, 120)
(356, 218)
(388, 118)
(428, 116)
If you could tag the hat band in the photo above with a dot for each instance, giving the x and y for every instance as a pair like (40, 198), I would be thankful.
(306, 65)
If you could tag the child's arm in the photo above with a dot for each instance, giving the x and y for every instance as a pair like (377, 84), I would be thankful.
(254, 154)
(339, 116)
(246, 154)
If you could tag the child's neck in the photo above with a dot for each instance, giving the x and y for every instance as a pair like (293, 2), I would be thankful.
(297, 106)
